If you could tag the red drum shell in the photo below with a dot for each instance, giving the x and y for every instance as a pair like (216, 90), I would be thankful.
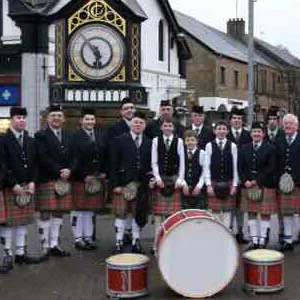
(263, 275)
(127, 279)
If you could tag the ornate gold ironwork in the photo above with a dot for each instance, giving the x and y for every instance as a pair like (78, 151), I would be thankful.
(135, 52)
(97, 10)
(121, 76)
(73, 76)
(59, 48)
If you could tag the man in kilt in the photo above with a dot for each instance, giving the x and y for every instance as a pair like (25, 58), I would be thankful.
(120, 127)
(257, 172)
(221, 174)
(289, 175)
(274, 132)
(168, 170)
(88, 191)
(240, 136)
(130, 169)
(53, 191)
(192, 195)
(19, 156)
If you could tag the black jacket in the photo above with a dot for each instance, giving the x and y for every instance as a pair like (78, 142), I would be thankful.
(88, 155)
(126, 164)
(280, 134)
(245, 138)
(53, 155)
(20, 162)
(258, 165)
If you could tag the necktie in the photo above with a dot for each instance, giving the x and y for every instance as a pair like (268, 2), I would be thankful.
(289, 140)
(190, 154)
(92, 136)
(271, 136)
(58, 135)
(197, 131)
(137, 141)
(237, 135)
(168, 144)
(221, 145)
(255, 147)
(20, 140)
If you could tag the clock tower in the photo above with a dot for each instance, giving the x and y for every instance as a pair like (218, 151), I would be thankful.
(98, 54)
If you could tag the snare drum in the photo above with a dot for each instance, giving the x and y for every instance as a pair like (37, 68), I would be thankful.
(197, 255)
(264, 271)
(127, 275)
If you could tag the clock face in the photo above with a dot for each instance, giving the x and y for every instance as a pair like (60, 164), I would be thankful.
(96, 52)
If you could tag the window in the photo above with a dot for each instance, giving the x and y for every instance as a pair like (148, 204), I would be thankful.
(223, 75)
(274, 81)
(161, 41)
(236, 79)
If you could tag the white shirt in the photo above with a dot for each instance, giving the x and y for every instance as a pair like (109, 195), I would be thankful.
(17, 133)
(195, 128)
(201, 162)
(57, 132)
(234, 131)
(274, 132)
(134, 136)
(208, 152)
(293, 137)
(257, 144)
(154, 158)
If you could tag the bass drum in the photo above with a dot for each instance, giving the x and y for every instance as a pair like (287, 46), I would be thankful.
(197, 256)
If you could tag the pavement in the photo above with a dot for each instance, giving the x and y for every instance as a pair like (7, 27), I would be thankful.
(82, 276)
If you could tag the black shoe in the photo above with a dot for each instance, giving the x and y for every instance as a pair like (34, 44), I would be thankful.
(287, 247)
(251, 246)
(59, 252)
(119, 248)
(90, 245)
(8, 262)
(240, 238)
(80, 245)
(137, 248)
(24, 259)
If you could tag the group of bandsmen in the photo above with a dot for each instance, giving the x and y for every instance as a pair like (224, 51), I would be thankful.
(144, 169)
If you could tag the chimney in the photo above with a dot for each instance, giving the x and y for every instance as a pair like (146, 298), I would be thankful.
(236, 28)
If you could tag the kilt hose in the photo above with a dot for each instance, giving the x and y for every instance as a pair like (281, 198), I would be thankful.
(15, 215)
(166, 206)
(290, 203)
(267, 206)
(2, 208)
(48, 200)
(227, 204)
(84, 201)
(122, 207)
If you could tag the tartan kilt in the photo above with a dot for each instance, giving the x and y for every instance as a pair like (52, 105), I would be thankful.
(2, 209)
(15, 215)
(289, 204)
(163, 206)
(48, 200)
(122, 207)
(193, 202)
(84, 201)
(226, 204)
(267, 206)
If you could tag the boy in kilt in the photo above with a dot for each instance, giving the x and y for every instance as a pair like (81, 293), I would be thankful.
(20, 152)
(88, 193)
(130, 167)
(168, 170)
(257, 172)
(192, 196)
(53, 191)
(221, 174)
(289, 189)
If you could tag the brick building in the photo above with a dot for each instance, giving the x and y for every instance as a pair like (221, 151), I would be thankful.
(218, 70)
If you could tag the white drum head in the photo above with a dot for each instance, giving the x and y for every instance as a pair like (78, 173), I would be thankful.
(198, 258)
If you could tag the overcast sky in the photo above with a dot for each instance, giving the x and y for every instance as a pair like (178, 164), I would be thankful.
(276, 21)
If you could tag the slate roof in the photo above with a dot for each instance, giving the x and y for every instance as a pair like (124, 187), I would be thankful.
(218, 41)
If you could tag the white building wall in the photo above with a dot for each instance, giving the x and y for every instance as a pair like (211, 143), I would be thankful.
(11, 32)
(161, 83)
